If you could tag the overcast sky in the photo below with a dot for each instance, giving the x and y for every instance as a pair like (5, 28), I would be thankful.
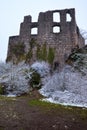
(12, 13)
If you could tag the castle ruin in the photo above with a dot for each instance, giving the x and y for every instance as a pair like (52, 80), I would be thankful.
(27, 46)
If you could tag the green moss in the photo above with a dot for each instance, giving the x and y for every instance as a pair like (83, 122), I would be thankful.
(36, 102)
(76, 112)
(5, 98)
(32, 43)
(29, 55)
(83, 114)
(18, 49)
(44, 52)
(51, 55)
(41, 52)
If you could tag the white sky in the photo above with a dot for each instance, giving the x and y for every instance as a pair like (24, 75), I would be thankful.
(12, 13)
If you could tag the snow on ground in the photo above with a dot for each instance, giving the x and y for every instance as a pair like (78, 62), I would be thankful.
(68, 87)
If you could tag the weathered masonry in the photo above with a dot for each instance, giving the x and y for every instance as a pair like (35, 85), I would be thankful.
(57, 36)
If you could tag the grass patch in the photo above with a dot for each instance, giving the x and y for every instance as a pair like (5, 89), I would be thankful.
(7, 98)
(48, 105)
(77, 112)
(45, 107)
(37, 102)
(83, 114)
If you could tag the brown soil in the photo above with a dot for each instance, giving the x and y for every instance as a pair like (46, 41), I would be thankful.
(19, 114)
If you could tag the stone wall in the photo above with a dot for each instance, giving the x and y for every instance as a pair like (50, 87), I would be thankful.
(63, 41)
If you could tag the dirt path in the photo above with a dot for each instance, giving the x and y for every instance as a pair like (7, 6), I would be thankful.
(22, 114)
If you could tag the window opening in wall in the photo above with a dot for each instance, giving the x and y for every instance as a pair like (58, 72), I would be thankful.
(34, 31)
(56, 29)
(68, 17)
(56, 17)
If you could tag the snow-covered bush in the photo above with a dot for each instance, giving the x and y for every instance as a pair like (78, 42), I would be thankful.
(66, 87)
(42, 68)
(14, 76)
(39, 71)
(17, 78)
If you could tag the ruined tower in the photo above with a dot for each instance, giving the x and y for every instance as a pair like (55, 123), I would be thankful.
(26, 46)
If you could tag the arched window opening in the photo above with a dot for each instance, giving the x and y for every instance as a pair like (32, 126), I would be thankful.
(56, 29)
(56, 17)
(68, 17)
(34, 31)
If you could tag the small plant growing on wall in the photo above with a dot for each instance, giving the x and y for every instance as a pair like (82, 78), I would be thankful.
(32, 43)
(51, 55)
(41, 53)
(44, 52)
(29, 55)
